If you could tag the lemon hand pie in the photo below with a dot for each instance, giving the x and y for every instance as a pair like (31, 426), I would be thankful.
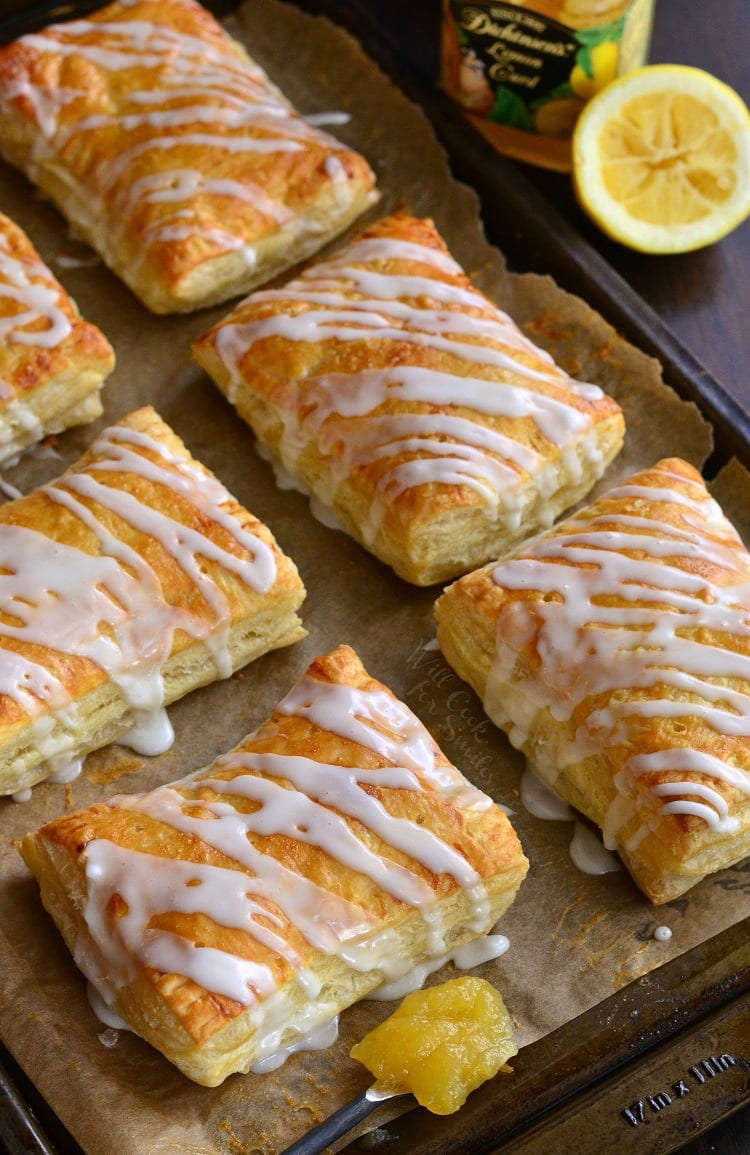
(229, 917)
(53, 363)
(398, 395)
(172, 153)
(615, 653)
(130, 580)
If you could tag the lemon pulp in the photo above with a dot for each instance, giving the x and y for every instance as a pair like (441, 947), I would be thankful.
(661, 159)
(668, 164)
(441, 1043)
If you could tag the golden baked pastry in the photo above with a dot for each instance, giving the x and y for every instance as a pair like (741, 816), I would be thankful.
(230, 916)
(615, 653)
(401, 397)
(172, 152)
(52, 362)
(129, 581)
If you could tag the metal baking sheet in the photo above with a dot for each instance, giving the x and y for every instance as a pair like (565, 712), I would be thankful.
(586, 1062)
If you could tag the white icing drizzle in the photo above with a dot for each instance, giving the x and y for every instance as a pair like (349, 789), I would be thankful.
(588, 853)
(318, 1040)
(376, 720)
(151, 732)
(30, 295)
(471, 954)
(66, 261)
(103, 1012)
(322, 513)
(9, 490)
(109, 607)
(541, 801)
(304, 801)
(323, 118)
(480, 950)
(64, 769)
(343, 412)
(666, 642)
(193, 94)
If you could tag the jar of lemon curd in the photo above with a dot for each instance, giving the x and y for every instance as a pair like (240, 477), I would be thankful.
(523, 69)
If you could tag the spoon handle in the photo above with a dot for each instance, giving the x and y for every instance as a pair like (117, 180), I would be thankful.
(335, 1125)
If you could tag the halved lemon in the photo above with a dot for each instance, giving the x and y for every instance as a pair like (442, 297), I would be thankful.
(661, 159)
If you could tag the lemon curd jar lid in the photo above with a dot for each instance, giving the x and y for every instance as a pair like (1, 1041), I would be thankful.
(523, 69)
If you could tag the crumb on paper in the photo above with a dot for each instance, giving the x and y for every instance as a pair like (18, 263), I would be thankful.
(566, 911)
(587, 927)
(107, 765)
(235, 1145)
(547, 325)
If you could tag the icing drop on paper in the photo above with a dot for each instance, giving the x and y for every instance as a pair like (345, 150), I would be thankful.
(588, 854)
(541, 801)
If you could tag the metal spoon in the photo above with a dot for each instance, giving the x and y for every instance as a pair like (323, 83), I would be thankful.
(342, 1121)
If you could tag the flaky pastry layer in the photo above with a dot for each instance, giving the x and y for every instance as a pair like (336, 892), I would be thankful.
(615, 653)
(397, 394)
(52, 362)
(228, 916)
(172, 152)
(129, 581)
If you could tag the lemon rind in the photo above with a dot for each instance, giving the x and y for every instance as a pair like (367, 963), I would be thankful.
(608, 213)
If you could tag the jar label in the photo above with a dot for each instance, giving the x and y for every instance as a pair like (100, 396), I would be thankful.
(519, 68)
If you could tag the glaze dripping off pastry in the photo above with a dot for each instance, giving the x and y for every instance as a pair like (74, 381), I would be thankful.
(615, 653)
(130, 580)
(397, 394)
(53, 363)
(172, 153)
(230, 915)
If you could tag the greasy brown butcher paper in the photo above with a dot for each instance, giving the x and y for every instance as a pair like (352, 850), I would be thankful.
(574, 937)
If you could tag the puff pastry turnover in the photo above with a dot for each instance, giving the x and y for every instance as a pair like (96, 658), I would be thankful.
(172, 153)
(228, 916)
(401, 397)
(52, 362)
(615, 654)
(129, 581)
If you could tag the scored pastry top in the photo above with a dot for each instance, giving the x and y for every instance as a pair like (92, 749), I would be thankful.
(311, 840)
(51, 359)
(41, 330)
(400, 394)
(105, 573)
(629, 625)
(171, 150)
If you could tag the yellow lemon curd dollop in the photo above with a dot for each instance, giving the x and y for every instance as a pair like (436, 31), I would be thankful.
(441, 1043)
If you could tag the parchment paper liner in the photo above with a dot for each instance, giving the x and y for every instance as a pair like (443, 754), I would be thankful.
(574, 938)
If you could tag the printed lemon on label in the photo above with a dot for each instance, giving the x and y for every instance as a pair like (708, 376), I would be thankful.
(604, 59)
(661, 159)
